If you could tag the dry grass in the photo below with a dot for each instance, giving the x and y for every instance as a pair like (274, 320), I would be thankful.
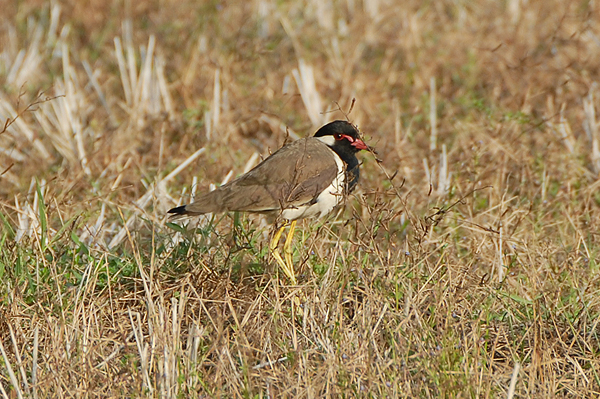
(472, 273)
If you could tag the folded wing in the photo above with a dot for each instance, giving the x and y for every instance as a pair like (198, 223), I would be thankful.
(292, 176)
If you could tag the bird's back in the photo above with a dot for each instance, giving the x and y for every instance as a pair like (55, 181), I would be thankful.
(292, 176)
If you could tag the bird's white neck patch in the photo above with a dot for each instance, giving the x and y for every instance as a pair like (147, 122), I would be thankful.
(329, 140)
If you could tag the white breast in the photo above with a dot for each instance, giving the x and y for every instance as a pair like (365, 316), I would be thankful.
(329, 198)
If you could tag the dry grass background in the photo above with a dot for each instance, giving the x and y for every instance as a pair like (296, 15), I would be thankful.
(472, 273)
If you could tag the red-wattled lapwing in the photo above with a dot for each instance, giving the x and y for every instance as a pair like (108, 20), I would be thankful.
(307, 177)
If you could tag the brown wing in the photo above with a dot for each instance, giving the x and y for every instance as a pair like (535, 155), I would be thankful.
(292, 176)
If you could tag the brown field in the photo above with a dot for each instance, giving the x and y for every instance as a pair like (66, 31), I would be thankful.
(464, 265)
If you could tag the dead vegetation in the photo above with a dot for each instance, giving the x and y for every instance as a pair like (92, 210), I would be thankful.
(465, 266)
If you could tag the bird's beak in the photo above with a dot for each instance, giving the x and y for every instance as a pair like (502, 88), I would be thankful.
(359, 144)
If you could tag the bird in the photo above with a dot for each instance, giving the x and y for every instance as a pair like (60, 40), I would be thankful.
(307, 177)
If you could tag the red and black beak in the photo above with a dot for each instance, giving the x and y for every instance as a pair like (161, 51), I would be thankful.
(359, 144)
(354, 142)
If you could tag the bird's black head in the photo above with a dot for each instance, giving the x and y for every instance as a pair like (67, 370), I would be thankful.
(342, 136)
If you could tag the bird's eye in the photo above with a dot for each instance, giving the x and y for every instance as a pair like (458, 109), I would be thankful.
(338, 136)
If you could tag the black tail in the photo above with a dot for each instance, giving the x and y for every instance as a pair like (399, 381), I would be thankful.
(180, 210)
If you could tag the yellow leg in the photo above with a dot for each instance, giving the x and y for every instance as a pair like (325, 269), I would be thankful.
(287, 250)
(287, 267)
(273, 247)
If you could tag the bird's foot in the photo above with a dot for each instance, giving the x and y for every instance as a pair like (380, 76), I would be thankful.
(287, 266)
